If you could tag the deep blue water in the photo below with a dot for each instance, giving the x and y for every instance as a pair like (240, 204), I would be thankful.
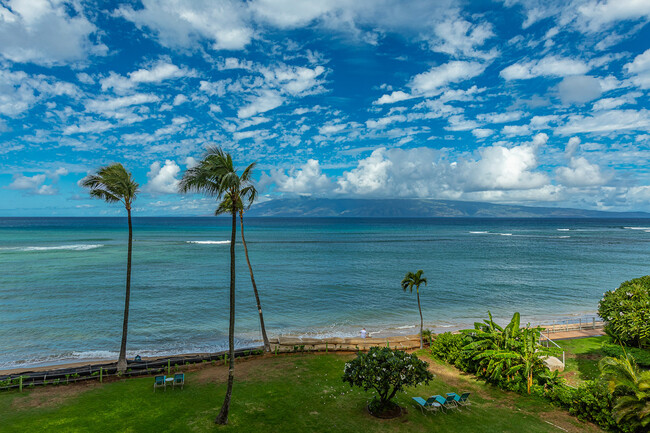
(62, 279)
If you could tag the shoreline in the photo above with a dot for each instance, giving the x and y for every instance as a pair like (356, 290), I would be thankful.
(557, 332)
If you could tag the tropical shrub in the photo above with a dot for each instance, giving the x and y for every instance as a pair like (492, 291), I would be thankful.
(631, 390)
(627, 312)
(447, 347)
(387, 371)
(591, 401)
(641, 356)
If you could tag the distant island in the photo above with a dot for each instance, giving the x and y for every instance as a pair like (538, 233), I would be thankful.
(418, 208)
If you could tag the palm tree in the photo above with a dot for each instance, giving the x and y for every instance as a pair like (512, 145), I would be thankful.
(216, 176)
(415, 279)
(113, 184)
(632, 387)
(224, 207)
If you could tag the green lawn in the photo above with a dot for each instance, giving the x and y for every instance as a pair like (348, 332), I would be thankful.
(583, 354)
(291, 393)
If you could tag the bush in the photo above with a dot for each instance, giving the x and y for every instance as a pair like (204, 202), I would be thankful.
(627, 312)
(447, 347)
(641, 356)
(387, 371)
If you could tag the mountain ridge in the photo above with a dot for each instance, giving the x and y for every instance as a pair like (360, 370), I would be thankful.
(418, 208)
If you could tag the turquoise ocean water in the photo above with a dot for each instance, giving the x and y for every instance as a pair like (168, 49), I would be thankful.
(62, 279)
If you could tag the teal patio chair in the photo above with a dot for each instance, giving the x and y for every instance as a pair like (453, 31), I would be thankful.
(461, 400)
(159, 381)
(430, 405)
(179, 379)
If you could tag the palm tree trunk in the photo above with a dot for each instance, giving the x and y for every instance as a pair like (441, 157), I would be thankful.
(121, 360)
(222, 418)
(267, 345)
(417, 292)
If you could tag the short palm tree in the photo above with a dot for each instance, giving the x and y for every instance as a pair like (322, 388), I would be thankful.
(113, 184)
(216, 176)
(414, 280)
(633, 389)
(248, 195)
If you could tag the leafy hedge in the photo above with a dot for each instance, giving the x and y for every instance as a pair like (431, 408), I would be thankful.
(627, 312)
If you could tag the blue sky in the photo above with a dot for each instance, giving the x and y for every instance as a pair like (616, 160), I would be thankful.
(513, 101)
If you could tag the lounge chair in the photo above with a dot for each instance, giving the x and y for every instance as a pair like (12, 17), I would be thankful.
(461, 400)
(430, 405)
(179, 379)
(442, 401)
(160, 381)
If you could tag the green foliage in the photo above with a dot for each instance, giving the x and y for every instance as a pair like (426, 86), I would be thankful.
(387, 371)
(448, 347)
(631, 390)
(641, 356)
(627, 312)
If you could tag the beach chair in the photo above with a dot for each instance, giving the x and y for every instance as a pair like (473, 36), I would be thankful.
(179, 379)
(461, 400)
(442, 401)
(450, 401)
(158, 382)
(430, 405)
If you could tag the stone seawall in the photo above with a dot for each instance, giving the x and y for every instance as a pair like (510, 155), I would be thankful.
(295, 344)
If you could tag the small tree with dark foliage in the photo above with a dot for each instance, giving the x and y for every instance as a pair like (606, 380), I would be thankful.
(387, 371)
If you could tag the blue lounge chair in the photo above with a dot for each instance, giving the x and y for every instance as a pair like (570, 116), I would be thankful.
(450, 401)
(179, 379)
(461, 400)
(441, 401)
(430, 405)
(160, 381)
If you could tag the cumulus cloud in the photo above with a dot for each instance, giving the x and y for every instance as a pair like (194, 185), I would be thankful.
(640, 70)
(308, 179)
(597, 14)
(550, 66)
(36, 184)
(580, 172)
(47, 32)
(162, 179)
(431, 81)
(159, 72)
(460, 38)
(482, 132)
(184, 23)
(392, 98)
(19, 91)
(602, 122)
(114, 104)
(572, 146)
(266, 101)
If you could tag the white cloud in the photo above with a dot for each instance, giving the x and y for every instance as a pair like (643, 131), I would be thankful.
(640, 70)
(459, 123)
(308, 179)
(89, 126)
(572, 146)
(580, 172)
(162, 178)
(47, 32)
(180, 99)
(507, 116)
(266, 101)
(183, 23)
(600, 13)
(392, 98)
(516, 130)
(370, 176)
(550, 66)
(460, 38)
(35, 184)
(19, 91)
(113, 104)
(384, 121)
(158, 73)
(431, 81)
(578, 89)
(616, 121)
(331, 128)
(482, 132)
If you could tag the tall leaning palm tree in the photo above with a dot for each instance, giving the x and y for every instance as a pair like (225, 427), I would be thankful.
(216, 176)
(249, 196)
(414, 280)
(113, 184)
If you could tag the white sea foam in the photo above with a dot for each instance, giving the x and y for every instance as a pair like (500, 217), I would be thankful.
(405, 327)
(76, 247)
(638, 228)
(208, 242)
(505, 234)
(563, 230)
(563, 237)
(479, 233)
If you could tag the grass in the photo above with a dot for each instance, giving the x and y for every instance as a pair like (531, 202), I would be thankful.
(583, 354)
(293, 393)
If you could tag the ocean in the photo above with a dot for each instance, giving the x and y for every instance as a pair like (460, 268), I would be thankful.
(62, 279)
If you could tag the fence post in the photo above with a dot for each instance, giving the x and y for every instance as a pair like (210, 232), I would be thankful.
(593, 323)
(326, 347)
(580, 324)
(20, 383)
(169, 367)
(101, 374)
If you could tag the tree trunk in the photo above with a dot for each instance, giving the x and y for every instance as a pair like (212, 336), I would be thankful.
(267, 345)
(417, 292)
(121, 360)
(222, 418)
